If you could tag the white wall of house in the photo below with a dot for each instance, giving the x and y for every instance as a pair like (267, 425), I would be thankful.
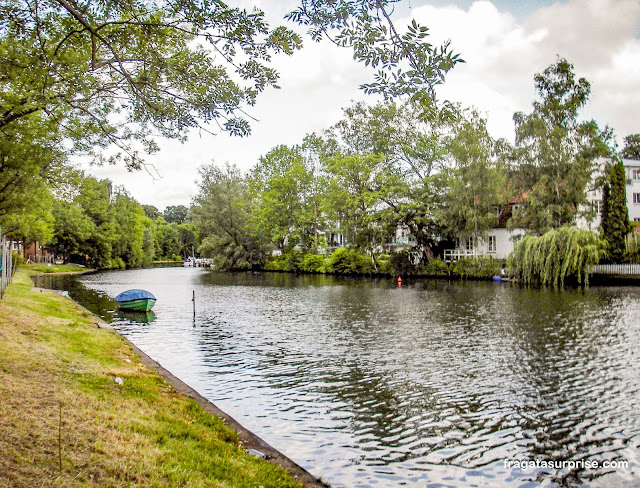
(595, 200)
(498, 244)
(632, 169)
(505, 241)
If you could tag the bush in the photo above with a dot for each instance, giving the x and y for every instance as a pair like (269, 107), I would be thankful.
(313, 263)
(118, 263)
(383, 262)
(18, 258)
(349, 261)
(435, 267)
(292, 260)
(477, 267)
(276, 263)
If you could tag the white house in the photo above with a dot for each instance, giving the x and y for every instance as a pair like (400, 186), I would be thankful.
(498, 244)
(501, 241)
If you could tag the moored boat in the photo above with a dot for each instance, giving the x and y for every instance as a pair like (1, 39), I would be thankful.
(138, 300)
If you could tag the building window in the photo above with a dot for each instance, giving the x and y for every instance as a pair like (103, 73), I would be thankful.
(597, 206)
(636, 198)
(492, 244)
(634, 172)
(636, 219)
(469, 244)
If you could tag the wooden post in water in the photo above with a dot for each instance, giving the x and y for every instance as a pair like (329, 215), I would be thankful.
(194, 307)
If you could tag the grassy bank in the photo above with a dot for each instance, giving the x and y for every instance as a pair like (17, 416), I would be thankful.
(34, 269)
(64, 421)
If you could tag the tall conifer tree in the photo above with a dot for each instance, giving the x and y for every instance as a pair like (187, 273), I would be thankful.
(615, 216)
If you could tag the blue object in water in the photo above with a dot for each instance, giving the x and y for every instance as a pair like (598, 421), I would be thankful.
(138, 300)
(135, 294)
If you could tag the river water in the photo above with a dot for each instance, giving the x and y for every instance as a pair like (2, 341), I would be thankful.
(434, 384)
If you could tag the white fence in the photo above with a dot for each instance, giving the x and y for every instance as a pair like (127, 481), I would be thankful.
(7, 265)
(616, 269)
(456, 254)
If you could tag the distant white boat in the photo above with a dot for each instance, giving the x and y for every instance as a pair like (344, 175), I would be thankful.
(192, 262)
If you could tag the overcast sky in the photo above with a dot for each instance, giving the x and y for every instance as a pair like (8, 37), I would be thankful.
(504, 44)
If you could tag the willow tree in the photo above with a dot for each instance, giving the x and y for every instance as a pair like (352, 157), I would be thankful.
(556, 256)
(221, 215)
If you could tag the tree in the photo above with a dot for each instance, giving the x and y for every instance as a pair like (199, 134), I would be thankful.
(102, 226)
(221, 216)
(353, 198)
(280, 186)
(151, 211)
(555, 153)
(72, 230)
(166, 238)
(94, 198)
(411, 138)
(557, 255)
(176, 214)
(614, 223)
(476, 182)
(631, 147)
(163, 66)
(30, 166)
(187, 239)
(132, 248)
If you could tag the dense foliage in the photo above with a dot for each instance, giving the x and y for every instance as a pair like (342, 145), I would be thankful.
(417, 169)
(104, 227)
(556, 256)
(118, 74)
(615, 215)
(631, 148)
(221, 215)
(555, 154)
(104, 80)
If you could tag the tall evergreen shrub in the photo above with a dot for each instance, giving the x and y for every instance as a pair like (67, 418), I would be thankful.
(614, 222)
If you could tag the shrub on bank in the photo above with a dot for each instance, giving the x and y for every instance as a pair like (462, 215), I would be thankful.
(434, 267)
(313, 263)
(476, 267)
(350, 261)
(276, 263)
